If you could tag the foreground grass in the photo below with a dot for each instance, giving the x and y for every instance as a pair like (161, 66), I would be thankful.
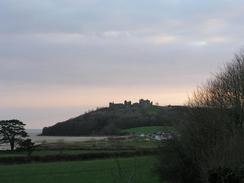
(139, 169)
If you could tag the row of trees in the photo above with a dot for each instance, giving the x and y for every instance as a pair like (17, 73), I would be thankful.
(210, 147)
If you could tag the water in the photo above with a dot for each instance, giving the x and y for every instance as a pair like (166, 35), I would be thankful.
(34, 135)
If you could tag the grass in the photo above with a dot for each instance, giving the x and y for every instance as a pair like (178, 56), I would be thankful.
(96, 171)
(153, 110)
(51, 152)
(148, 130)
(137, 143)
(102, 145)
(85, 147)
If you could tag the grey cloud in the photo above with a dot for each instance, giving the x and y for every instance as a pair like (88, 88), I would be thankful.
(108, 42)
(80, 16)
(113, 43)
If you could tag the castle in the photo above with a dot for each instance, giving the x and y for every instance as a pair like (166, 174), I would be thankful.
(127, 104)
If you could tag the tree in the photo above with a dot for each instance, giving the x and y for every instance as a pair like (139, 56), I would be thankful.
(225, 91)
(11, 131)
(27, 145)
(210, 147)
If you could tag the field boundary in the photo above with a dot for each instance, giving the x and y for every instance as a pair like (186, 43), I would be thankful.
(75, 157)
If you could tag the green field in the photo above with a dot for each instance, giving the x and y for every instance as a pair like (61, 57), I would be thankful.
(85, 147)
(138, 143)
(139, 169)
(148, 130)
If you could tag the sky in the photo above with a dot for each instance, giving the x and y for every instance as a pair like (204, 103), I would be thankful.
(60, 58)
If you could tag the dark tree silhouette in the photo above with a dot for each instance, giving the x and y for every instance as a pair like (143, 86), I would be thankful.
(11, 131)
(210, 147)
(27, 145)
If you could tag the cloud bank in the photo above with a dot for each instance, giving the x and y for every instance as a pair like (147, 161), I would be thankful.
(115, 48)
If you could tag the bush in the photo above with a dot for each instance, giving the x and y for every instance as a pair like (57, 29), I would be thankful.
(210, 147)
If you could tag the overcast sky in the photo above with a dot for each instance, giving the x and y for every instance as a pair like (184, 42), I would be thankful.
(59, 58)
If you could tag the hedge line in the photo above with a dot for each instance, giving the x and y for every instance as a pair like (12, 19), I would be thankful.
(72, 157)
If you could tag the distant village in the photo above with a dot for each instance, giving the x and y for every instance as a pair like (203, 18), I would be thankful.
(158, 136)
(127, 104)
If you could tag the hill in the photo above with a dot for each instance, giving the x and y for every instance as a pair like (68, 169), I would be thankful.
(148, 130)
(111, 120)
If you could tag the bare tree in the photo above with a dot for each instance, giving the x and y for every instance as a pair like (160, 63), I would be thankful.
(211, 141)
(225, 91)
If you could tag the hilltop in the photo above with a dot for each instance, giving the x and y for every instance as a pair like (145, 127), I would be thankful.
(113, 119)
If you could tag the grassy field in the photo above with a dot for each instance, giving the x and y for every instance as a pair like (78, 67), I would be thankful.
(138, 143)
(85, 147)
(148, 130)
(102, 144)
(92, 149)
(95, 171)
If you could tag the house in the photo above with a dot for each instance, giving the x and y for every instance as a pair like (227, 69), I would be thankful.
(161, 136)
